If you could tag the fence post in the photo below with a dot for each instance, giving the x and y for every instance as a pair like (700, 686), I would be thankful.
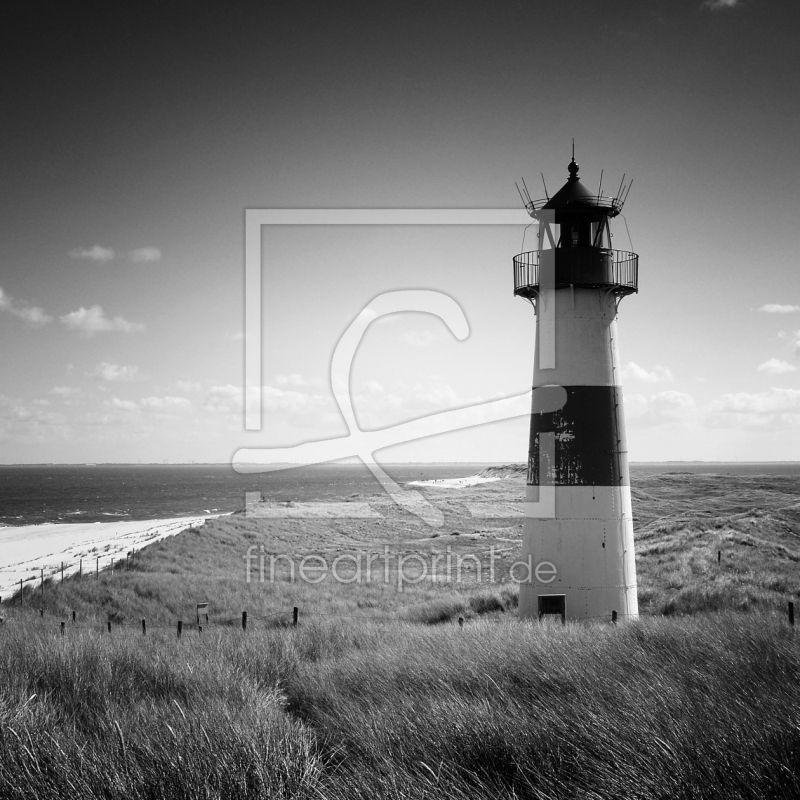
(461, 622)
(613, 617)
(719, 556)
(73, 617)
(180, 628)
(80, 569)
(295, 613)
(791, 613)
(97, 569)
(43, 590)
(62, 627)
(144, 628)
(109, 626)
(244, 620)
(41, 611)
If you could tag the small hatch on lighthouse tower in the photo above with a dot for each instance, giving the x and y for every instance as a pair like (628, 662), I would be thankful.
(578, 537)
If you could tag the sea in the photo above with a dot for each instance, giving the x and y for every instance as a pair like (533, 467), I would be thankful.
(36, 494)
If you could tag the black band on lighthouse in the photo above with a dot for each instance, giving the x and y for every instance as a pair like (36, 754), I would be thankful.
(590, 447)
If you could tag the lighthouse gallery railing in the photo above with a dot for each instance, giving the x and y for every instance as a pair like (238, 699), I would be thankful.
(582, 267)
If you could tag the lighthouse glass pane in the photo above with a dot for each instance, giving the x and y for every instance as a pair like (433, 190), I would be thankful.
(549, 235)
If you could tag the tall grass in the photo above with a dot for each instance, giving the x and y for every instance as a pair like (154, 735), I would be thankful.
(697, 708)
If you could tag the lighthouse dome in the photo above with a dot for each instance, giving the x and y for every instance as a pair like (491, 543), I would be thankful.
(573, 192)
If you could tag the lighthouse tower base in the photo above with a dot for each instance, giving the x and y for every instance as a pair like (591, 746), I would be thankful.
(580, 564)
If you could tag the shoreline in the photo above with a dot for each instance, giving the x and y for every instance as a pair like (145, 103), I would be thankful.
(25, 550)
(453, 483)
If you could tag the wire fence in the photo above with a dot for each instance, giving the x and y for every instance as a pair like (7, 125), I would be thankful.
(278, 619)
(84, 568)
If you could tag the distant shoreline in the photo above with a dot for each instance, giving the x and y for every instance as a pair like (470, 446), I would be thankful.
(339, 464)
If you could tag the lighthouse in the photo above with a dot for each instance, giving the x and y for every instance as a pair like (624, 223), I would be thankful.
(577, 554)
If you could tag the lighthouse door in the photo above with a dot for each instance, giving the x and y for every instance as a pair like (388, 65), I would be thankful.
(553, 604)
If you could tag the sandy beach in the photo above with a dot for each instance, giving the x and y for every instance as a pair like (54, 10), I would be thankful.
(27, 549)
(454, 483)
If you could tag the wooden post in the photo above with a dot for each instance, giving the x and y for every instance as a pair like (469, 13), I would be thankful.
(41, 611)
(719, 556)
(244, 620)
(80, 569)
(461, 622)
(791, 613)
(295, 613)
(180, 628)
(43, 588)
(62, 572)
(199, 628)
(109, 626)
(144, 628)
(613, 617)
(73, 617)
(62, 627)
(97, 569)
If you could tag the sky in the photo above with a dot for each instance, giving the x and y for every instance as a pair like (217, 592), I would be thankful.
(135, 136)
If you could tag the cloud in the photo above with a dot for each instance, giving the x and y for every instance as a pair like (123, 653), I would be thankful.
(93, 320)
(633, 372)
(124, 405)
(793, 338)
(101, 254)
(298, 408)
(64, 391)
(97, 253)
(776, 367)
(166, 403)
(33, 315)
(716, 5)
(19, 418)
(778, 308)
(773, 409)
(115, 372)
(145, 254)
(658, 409)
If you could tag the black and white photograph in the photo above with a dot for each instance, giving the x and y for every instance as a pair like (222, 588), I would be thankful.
(400, 401)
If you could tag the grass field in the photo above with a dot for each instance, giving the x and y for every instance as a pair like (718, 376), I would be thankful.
(379, 693)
